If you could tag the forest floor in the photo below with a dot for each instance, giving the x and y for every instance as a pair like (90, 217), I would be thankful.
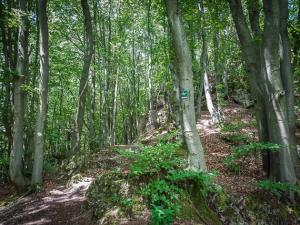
(57, 204)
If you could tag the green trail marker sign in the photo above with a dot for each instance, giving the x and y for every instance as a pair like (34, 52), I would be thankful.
(184, 94)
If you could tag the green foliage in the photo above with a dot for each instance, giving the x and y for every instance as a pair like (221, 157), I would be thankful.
(48, 167)
(4, 164)
(4, 161)
(161, 216)
(230, 128)
(276, 188)
(251, 149)
(237, 126)
(236, 137)
(118, 199)
(165, 191)
(154, 158)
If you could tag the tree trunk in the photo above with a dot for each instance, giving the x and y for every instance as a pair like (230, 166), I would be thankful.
(183, 55)
(6, 109)
(281, 166)
(251, 55)
(115, 105)
(220, 98)
(262, 67)
(16, 165)
(176, 105)
(39, 140)
(287, 81)
(83, 86)
(203, 59)
(151, 110)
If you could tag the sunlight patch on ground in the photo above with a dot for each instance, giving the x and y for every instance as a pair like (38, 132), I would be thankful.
(208, 126)
(40, 221)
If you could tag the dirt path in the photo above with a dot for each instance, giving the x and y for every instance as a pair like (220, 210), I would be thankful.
(56, 206)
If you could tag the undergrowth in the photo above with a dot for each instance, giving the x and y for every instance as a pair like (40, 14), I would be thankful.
(164, 192)
(254, 149)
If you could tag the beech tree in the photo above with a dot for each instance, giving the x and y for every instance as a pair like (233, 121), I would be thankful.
(16, 165)
(83, 87)
(39, 140)
(183, 58)
(267, 84)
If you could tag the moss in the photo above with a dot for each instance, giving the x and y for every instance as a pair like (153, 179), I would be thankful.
(194, 206)
(180, 152)
(9, 200)
(107, 193)
(264, 209)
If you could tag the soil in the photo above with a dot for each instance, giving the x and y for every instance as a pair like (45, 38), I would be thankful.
(56, 204)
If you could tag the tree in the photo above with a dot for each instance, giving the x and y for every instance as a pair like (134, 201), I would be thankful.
(39, 139)
(88, 52)
(16, 164)
(183, 55)
(262, 67)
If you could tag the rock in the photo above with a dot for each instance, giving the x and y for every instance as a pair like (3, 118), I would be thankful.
(108, 193)
(83, 162)
(243, 97)
(254, 209)
(74, 180)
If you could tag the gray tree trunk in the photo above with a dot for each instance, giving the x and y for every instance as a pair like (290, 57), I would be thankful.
(262, 67)
(251, 55)
(281, 166)
(151, 108)
(183, 55)
(16, 164)
(287, 81)
(83, 86)
(39, 140)
(203, 59)
(220, 98)
(176, 105)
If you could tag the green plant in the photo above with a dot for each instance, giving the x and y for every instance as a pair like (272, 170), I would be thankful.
(48, 167)
(236, 137)
(230, 128)
(236, 167)
(127, 202)
(276, 188)
(251, 149)
(150, 158)
(161, 216)
(164, 192)
(248, 150)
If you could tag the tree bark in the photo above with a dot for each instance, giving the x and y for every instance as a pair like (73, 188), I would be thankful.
(281, 166)
(262, 67)
(183, 55)
(83, 86)
(287, 81)
(39, 140)
(203, 59)
(16, 164)
(151, 110)
(251, 55)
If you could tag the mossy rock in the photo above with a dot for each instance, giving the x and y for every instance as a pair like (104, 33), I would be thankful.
(78, 163)
(108, 193)
(255, 209)
(194, 206)
(74, 180)
(83, 162)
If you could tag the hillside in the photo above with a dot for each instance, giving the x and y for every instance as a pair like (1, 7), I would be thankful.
(57, 204)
